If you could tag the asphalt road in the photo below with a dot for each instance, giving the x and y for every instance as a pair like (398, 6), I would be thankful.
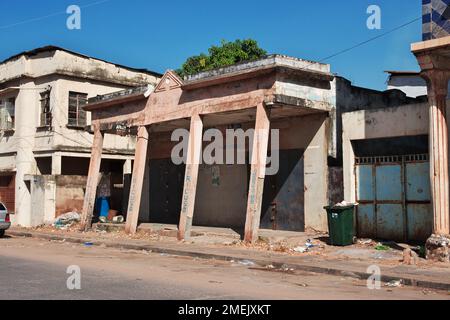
(37, 269)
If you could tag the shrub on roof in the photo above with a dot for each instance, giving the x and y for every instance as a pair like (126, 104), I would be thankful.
(228, 53)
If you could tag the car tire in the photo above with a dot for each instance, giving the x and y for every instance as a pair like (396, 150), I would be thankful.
(2, 233)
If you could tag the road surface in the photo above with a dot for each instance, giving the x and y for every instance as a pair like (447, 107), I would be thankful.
(37, 269)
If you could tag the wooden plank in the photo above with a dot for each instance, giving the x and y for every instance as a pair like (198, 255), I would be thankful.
(93, 179)
(191, 177)
(257, 173)
(140, 160)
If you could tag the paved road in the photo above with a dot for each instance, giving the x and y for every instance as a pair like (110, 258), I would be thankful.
(36, 269)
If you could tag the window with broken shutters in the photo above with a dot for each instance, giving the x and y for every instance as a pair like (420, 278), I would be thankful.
(46, 112)
(77, 115)
(7, 114)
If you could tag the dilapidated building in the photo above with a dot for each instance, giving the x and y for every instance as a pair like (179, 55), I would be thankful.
(301, 99)
(44, 144)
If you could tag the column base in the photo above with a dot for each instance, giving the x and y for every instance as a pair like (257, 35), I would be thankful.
(438, 248)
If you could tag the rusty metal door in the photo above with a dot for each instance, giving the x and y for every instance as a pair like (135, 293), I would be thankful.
(283, 199)
(394, 197)
(166, 190)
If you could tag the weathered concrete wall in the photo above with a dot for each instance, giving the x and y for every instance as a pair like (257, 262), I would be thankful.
(224, 205)
(221, 196)
(311, 134)
(335, 185)
(350, 98)
(29, 75)
(42, 194)
(66, 63)
(51, 196)
(69, 194)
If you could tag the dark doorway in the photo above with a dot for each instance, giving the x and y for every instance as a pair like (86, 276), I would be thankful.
(166, 189)
(283, 200)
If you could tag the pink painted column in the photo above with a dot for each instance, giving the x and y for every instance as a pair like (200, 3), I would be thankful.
(257, 173)
(93, 179)
(191, 176)
(137, 180)
(437, 95)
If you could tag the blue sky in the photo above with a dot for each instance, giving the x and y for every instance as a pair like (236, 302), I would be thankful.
(160, 35)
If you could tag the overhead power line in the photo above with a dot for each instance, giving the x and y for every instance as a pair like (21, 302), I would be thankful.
(370, 40)
(49, 15)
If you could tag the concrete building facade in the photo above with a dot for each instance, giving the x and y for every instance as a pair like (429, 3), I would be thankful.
(306, 104)
(287, 94)
(44, 144)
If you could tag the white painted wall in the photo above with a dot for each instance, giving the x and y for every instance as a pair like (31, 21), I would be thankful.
(63, 72)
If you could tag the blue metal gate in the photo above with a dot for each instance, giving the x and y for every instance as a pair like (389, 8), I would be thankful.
(394, 197)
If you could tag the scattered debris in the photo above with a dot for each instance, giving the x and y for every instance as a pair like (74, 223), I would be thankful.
(410, 257)
(438, 248)
(286, 268)
(365, 241)
(301, 249)
(395, 284)
(118, 219)
(246, 263)
(302, 285)
(345, 204)
(427, 292)
(66, 220)
(381, 247)
(270, 266)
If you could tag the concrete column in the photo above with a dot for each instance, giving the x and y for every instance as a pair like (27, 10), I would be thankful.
(437, 95)
(23, 143)
(191, 177)
(140, 160)
(56, 164)
(127, 167)
(93, 179)
(257, 174)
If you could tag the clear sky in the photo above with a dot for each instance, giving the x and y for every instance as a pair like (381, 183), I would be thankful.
(160, 35)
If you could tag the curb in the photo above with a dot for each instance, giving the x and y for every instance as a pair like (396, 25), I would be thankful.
(408, 281)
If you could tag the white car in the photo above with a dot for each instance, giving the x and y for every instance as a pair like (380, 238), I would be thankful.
(5, 223)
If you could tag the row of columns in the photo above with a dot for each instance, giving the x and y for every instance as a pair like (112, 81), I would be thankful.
(256, 186)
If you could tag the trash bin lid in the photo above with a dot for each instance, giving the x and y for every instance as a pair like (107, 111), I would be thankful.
(340, 208)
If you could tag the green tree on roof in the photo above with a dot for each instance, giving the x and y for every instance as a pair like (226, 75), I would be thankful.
(228, 53)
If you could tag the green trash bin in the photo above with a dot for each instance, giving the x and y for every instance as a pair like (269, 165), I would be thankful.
(341, 225)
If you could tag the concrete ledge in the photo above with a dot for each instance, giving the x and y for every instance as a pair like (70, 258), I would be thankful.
(436, 281)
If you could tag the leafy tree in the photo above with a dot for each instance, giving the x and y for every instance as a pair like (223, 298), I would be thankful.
(228, 53)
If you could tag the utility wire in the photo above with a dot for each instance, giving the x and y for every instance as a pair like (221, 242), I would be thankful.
(360, 44)
(49, 15)
(371, 39)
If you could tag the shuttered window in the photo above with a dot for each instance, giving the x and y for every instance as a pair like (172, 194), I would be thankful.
(77, 115)
(7, 114)
(46, 113)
